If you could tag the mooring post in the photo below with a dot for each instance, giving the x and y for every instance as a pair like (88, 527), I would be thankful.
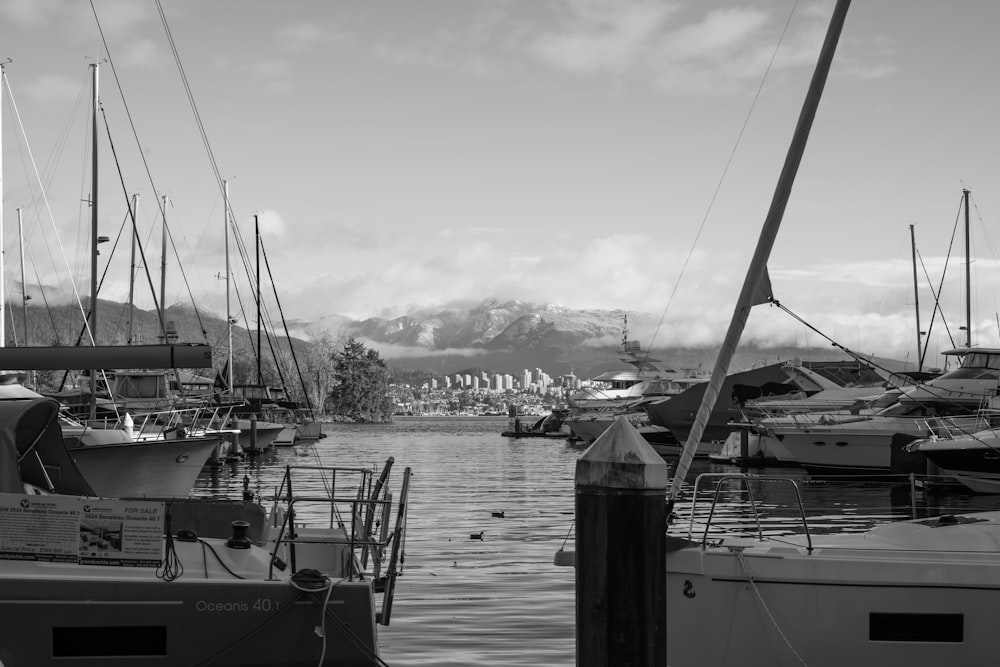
(621, 523)
(253, 434)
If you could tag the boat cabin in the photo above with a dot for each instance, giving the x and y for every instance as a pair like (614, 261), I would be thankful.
(976, 363)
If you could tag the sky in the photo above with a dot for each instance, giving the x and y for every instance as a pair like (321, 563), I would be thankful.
(596, 154)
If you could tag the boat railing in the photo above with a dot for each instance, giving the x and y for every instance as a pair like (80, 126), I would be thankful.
(353, 522)
(811, 410)
(962, 425)
(744, 480)
(195, 420)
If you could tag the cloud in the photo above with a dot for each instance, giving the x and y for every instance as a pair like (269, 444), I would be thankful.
(30, 13)
(722, 33)
(271, 224)
(602, 36)
(389, 351)
(49, 88)
(142, 53)
(438, 56)
(301, 37)
(122, 18)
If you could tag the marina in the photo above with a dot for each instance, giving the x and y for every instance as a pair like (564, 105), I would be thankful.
(502, 600)
(310, 504)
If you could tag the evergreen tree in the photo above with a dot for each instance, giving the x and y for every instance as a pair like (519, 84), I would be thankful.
(363, 389)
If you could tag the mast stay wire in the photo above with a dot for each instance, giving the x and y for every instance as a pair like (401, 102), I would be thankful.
(149, 175)
(36, 183)
(45, 200)
(892, 377)
(240, 243)
(291, 347)
(725, 170)
(936, 311)
(204, 134)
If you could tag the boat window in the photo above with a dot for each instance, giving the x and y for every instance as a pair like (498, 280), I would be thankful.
(938, 628)
(981, 360)
(929, 409)
(969, 373)
(109, 641)
(140, 386)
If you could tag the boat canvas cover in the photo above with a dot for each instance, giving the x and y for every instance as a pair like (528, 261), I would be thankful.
(22, 425)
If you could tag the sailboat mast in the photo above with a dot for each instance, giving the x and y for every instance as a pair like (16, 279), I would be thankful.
(757, 272)
(163, 271)
(229, 314)
(131, 271)
(24, 288)
(93, 217)
(968, 270)
(94, 242)
(3, 333)
(916, 299)
(256, 228)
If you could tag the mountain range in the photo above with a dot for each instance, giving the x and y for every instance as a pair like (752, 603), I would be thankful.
(493, 335)
(509, 336)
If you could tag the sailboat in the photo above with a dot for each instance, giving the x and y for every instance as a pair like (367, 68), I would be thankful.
(916, 593)
(259, 407)
(112, 462)
(95, 581)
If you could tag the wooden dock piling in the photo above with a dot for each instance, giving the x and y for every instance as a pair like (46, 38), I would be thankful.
(621, 490)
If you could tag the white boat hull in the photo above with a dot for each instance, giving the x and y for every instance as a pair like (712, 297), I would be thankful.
(860, 447)
(914, 593)
(154, 469)
(266, 433)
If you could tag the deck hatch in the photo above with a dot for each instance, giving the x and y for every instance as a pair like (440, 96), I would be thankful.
(109, 641)
(940, 628)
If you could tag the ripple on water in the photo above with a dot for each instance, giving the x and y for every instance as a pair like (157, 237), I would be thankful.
(500, 600)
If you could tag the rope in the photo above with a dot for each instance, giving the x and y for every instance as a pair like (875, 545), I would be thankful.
(568, 532)
(218, 558)
(354, 639)
(171, 567)
(310, 581)
(860, 357)
(760, 598)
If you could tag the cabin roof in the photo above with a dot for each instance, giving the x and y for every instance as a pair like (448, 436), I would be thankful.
(967, 350)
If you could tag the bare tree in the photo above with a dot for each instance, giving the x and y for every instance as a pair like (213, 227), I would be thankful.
(319, 368)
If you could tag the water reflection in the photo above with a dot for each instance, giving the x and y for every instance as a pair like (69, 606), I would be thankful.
(829, 505)
(500, 600)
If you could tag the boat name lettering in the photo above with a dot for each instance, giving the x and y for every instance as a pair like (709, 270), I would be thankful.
(204, 605)
(260, 604)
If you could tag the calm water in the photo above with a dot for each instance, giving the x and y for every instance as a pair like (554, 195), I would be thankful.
(500, 600)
